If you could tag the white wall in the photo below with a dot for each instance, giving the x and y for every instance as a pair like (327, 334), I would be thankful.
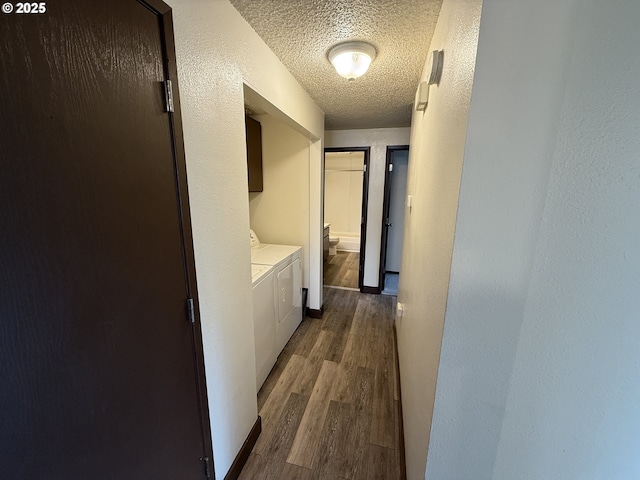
(435, 164)
(217, 52)
(343, 175)
(378, 139)
(540, 365)
(280, 213)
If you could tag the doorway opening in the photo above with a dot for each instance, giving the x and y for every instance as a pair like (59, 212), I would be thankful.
(346, 183)
(395, 191)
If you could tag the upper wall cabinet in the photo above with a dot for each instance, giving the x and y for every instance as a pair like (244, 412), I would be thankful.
(254, 154)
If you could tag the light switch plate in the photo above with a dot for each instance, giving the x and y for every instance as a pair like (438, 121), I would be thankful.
(422, 97)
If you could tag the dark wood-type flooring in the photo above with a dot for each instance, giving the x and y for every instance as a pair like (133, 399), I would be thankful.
(341, 270)
(330, 407)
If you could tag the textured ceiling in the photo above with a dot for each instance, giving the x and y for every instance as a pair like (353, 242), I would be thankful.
(300, 32)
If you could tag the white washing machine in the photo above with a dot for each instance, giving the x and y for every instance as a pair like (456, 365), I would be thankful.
(264, 320)
(286, 261)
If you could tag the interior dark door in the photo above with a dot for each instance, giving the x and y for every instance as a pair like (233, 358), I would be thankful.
(101, 373)
(363, 218)
(385, 217)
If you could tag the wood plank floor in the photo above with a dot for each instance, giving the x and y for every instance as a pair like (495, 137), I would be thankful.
(330, 407)
(341, 270)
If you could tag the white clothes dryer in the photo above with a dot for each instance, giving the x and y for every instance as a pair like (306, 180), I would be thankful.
(264, 320)
(286, 261)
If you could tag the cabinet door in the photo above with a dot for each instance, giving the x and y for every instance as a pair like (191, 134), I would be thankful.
(254, 154)
(289, 282)
(285, 291)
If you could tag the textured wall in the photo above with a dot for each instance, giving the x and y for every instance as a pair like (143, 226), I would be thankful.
(378, 139)
(216, 52)
(539, 375)
(435, 163)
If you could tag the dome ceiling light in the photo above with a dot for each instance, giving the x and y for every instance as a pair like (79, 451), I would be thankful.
(352, 59)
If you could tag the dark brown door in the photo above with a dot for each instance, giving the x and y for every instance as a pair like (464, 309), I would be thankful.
(101, 373)
(254, 153)
(388, 178)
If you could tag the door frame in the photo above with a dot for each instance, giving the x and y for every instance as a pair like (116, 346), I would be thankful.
(165, 17)
(385, 211)
(365, 203)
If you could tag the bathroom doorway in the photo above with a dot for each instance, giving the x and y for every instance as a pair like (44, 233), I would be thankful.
(345, 216)
(395, 192)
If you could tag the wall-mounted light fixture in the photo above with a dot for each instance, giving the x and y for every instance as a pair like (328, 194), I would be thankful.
(352, 59)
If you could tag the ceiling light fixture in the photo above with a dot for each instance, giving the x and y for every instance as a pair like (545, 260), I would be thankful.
(352, 59)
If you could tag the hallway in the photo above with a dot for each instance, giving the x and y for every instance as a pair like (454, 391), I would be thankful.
(330, 406)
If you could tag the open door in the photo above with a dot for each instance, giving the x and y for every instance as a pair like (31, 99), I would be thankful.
(393, 212)
(102, 370)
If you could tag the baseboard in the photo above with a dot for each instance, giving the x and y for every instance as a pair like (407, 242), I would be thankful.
(243, 454)
(348, 244)
(314, 313)
(403, 465)
(366, 289)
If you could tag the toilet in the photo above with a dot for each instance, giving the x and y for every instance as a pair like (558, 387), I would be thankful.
(333, 244)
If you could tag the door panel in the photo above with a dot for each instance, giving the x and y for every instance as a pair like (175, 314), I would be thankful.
(285, 292)
(99, 376)
(289, 288)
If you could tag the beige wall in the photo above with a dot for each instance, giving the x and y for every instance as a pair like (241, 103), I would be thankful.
(435, 166)
(540, 366)
(280, 213)
(378, 139)
(217, 53)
